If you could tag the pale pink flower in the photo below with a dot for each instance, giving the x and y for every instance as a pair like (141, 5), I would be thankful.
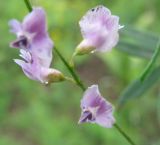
(95, 109)
(35, 47)
(32, 35)
(33, 69)
(99, 29)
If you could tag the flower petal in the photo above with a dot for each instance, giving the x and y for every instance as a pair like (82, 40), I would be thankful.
(21, 43)
(105, 120)
(85, 117)
(95, 16)
(42, 47)
(91, 97)
(111, 41)
(30, 65)
(104, 115)
(95, 109)
(20, 62)
(113, 23)
(35, 22)
(26, 69)
(25, 55)
(16, 26)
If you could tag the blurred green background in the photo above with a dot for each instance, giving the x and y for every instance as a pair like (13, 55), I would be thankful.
(32, 114)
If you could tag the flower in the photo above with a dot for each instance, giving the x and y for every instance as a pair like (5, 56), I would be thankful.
(33, 69)
(35, 47)
(95, 109)
(99, 30)
(32, 35)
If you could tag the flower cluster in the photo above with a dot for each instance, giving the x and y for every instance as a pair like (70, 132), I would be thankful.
(100, 33)
(35, 47)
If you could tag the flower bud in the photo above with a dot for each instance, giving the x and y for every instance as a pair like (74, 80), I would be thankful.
(84, 47)
(54, 76)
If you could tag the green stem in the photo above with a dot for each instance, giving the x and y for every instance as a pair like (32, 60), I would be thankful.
(151, 63)
(77, 79)
(71, 62)
(70, 80)
(71, 70)
(28, 4)
(124, 134)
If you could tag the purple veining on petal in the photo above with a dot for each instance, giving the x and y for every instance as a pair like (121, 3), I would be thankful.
(100, 28)
(35, 22)
(21, 42)
(33, 69)
(43, 48)
(29, 64)
(86, 116)
(95, 109)
(32, 35)
(91, 97)
(35, 47)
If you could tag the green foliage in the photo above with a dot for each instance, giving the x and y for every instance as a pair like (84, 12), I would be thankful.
(138, 87)
(132, 42)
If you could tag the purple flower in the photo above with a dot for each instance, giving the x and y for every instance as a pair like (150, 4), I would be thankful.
(33, 69)
(99, 30)
(35, 47)
(95, 109)
(32, 35)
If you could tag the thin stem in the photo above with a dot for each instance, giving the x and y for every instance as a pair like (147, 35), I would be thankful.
(71, 63)
(71, 70)
(124, 134)
(151, 62)
(70, 80)
(28, 4)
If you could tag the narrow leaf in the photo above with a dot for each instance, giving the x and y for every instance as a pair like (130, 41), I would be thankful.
(137, 87)
(151, 63)
(137, 43)
(134, 49)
